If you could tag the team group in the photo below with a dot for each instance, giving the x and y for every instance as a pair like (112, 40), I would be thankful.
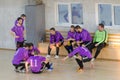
(79, 44)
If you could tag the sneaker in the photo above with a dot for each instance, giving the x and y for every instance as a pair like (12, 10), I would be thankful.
(22, 71)
(48, 56)
(79, 70)
(93, 59)
(75, 56)
(49, 70)
(16, 70)
(56, 57)
(51, 65)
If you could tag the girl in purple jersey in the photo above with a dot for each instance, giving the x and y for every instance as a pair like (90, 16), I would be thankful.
(82, 52)
(38, 63)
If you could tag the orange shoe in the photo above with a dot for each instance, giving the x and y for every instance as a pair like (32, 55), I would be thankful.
(80, 70)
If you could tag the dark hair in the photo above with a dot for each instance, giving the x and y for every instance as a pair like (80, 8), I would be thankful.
(102, 25)
(31, 44)
(19, 18)
(23, 15)
(26, 45)
(52, 28)
(72, 26)
(78, 27)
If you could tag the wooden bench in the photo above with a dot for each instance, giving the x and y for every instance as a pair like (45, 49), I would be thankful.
(111, 51)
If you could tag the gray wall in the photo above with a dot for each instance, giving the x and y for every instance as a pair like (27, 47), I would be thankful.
(11, 9)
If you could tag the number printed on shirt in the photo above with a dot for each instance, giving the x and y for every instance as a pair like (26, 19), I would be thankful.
(33, 63)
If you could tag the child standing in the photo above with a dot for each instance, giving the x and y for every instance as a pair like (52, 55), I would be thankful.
(18, 32)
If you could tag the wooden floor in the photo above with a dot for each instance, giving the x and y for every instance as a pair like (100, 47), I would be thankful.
(103, 70)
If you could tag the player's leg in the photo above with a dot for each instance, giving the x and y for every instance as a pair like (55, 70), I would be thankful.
(80, 63)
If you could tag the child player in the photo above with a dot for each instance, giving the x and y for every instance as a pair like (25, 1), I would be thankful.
(33, 49)
(20, 56)
(70, 39)
(82, 52)
(38, 64)
(18, 32)
(56, 40)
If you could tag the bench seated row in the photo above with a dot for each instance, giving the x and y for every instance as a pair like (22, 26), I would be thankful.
(110, 52)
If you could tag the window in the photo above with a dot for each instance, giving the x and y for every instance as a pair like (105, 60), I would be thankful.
(108, 14)
(69, 13)
(63, 13)
(117, 15)
(77, 13)
(105, 14)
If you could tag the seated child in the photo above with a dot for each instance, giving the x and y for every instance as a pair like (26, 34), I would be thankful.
(38, 64)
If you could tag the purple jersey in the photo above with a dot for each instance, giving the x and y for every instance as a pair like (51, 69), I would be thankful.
(17, 22)
(19, 31)
(71, 35)
(34, 49)
(20, 55)
(85, 36)
(56, 38)
(82, 51)
(36, 63)
(77, 36)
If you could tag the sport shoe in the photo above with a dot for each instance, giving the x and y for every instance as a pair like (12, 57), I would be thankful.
(48, 56)
(50, 70)
(79, 70)
(51, 65)
(75, 56)
(21, 71)
(93, 59)
(16, 70)
(56, 57)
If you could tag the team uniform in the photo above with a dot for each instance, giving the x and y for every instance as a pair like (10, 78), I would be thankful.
(37, 64)
(54, 39)
(20, 56)
(70, 35)
(19, 31)
(83, 52)
(34, 49)
(84, 36)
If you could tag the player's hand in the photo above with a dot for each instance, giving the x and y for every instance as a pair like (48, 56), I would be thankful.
(16, 36)
(96, 44)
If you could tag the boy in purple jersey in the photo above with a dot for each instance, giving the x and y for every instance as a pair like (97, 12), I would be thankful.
(20, 56)
(38, 64)
(82, 52)
(70, 39)
(33, 49)
(85, 37)
(18, 32)
(56, 40)
(82, 37)
(23, 16)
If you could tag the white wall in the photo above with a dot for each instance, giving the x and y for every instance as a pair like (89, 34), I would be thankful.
(9, 11)
(89, 14)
